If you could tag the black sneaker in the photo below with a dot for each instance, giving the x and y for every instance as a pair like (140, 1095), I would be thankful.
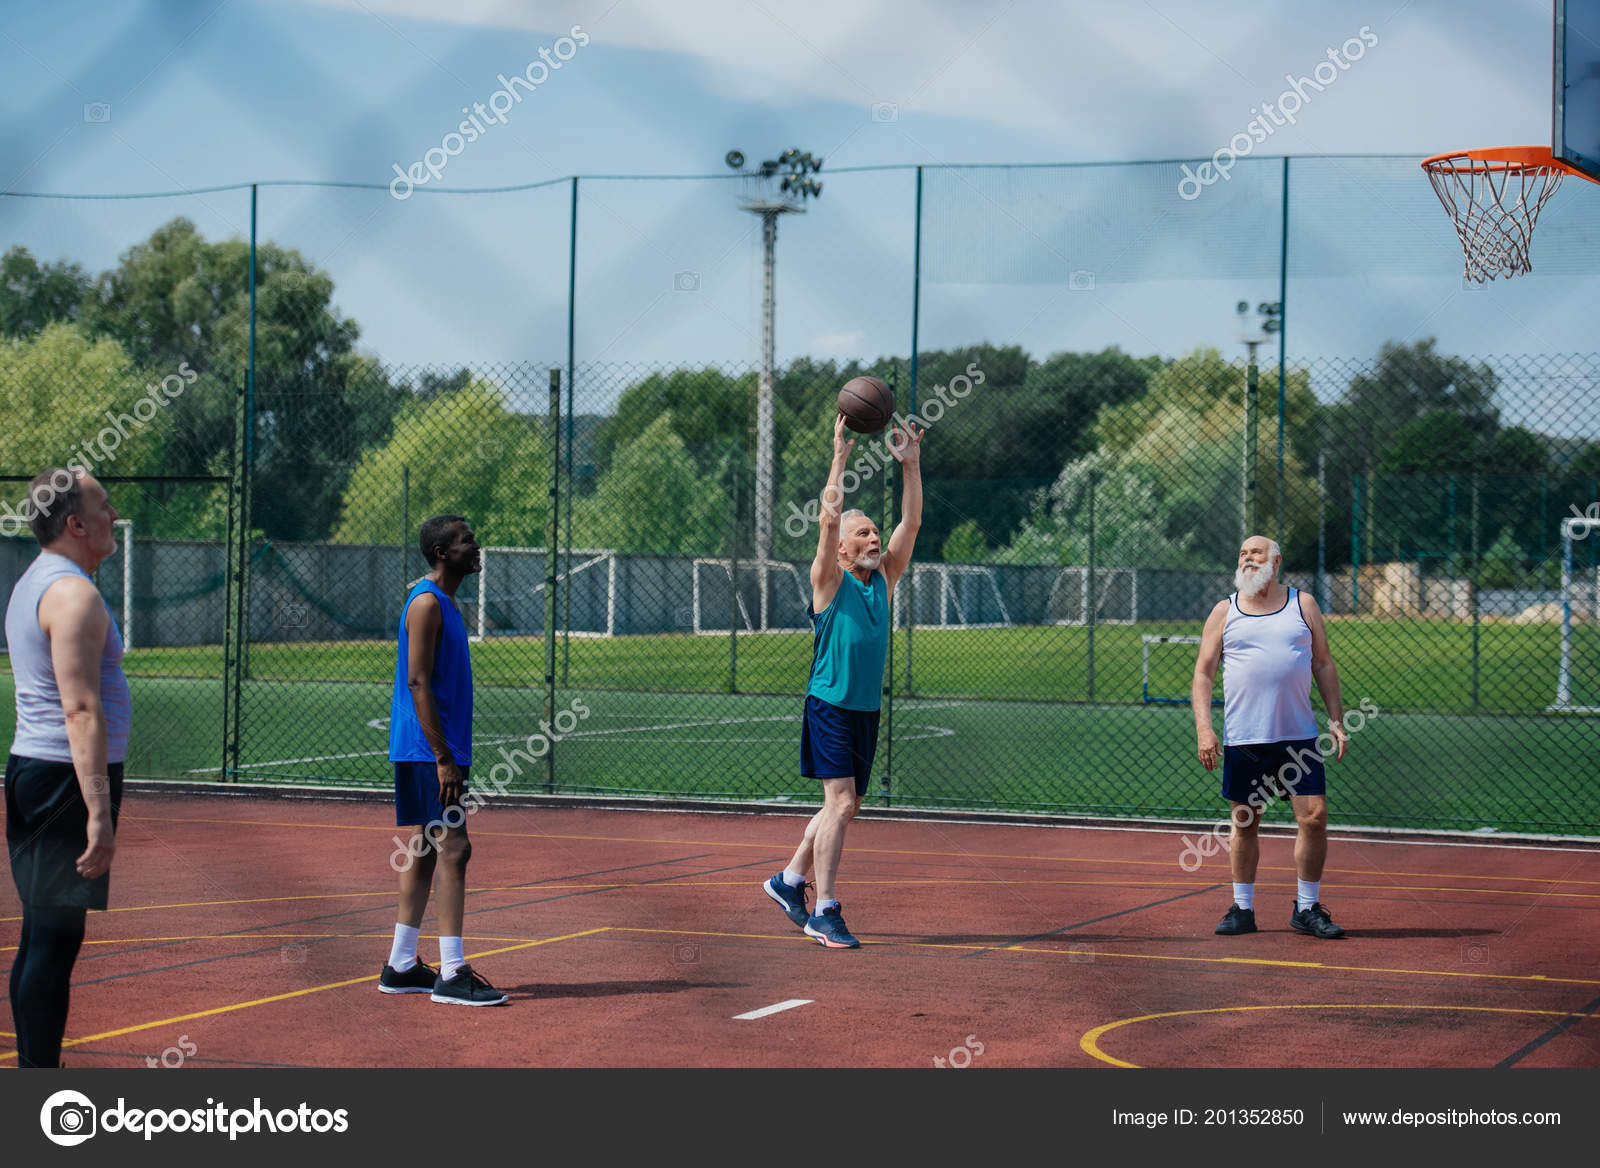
(1239, 920)
(791, 900)
(418, 979)
(827, 927)
(467, 988)
(1315, 921)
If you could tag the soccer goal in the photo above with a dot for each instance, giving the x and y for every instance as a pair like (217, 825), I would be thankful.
(1168, 681)
(788, 596)
(952, 596)
(1115, 601)
(1578, 673)
(511, 592)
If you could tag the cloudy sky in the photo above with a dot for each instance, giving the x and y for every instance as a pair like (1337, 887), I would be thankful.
(170, 96)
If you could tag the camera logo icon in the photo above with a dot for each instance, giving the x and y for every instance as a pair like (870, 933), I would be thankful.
(885, 111)
(67, 1118)
(686, 953)
(686, 282)
(1475, 953)
(1081, 280)
(97, 112)
(294, 616)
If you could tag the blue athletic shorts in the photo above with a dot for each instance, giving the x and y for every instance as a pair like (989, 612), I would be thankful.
(1267, 769)
(416, 793)
(836, 743)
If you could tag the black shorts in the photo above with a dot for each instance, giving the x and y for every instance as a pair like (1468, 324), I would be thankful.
(416, 794)
(1256, 771)
(47, 829)
(836, 743)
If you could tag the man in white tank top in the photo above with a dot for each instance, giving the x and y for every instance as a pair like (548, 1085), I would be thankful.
(1271, 644)
(64, 770)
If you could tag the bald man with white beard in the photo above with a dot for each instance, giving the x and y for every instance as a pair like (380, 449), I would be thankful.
(1271, 643)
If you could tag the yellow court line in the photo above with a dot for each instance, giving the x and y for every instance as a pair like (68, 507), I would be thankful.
(628, 839)
(291, 994)
(384, 937)
(1090, 1042)
(1534, 977)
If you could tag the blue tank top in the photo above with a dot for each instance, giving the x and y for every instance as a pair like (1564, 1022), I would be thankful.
(451, 685)
(851, 642)
(41, 722)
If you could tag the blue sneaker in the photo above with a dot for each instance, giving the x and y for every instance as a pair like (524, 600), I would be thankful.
(828, 929)
(791, 900)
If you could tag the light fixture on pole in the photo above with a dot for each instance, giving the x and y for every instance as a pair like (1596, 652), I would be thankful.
(778, 186)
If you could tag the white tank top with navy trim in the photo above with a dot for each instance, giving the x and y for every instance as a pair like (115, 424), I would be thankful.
(1266, 675)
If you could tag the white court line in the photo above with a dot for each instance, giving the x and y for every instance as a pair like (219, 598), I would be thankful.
(773, 1009)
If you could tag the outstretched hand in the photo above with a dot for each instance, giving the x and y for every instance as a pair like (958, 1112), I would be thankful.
(906, 444)
(842, 446)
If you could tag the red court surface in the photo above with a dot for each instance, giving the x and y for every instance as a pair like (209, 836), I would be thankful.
(250, 931)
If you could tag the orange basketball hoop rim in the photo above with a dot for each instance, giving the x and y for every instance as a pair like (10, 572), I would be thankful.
(1494, 197)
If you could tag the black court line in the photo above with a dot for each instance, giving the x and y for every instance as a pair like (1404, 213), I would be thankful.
(1095, 920)
(1560, 1027)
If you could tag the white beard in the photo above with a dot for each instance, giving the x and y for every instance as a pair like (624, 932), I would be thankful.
(1252, 579)
(869, 561)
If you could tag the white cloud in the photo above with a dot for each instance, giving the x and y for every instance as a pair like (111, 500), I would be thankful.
(845, 344)
(1084, 80)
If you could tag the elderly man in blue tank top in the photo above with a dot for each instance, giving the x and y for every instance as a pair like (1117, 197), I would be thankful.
(852, 581)
(1272, 646)
(64, 771)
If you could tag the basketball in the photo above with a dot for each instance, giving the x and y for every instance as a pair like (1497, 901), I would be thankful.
(867, 404)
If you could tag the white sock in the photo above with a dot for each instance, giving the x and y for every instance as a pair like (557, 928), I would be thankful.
(403, 953)
(450, 957)
(792, 880)
(1244, 895)
(1306, 892)
(824, 905)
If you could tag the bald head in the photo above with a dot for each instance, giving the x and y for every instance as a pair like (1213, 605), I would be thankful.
(1260, 560)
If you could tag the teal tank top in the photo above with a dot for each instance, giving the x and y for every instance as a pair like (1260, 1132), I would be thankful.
(852, 640)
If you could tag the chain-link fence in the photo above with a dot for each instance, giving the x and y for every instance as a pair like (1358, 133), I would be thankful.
(1082, 516)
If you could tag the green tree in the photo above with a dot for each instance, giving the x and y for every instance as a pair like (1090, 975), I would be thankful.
(33, 295)
(966, 545)
(655, 499)
(467, 454)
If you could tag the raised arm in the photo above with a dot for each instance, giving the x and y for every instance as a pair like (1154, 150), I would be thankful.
(1325, 673)
(1205, 680)
(906, 446)
(74, 617)
(825, 570)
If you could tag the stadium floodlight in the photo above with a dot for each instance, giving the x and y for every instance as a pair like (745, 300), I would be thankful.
(762, 196)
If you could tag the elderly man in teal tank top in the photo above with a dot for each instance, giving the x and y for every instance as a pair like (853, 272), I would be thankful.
(852, 581)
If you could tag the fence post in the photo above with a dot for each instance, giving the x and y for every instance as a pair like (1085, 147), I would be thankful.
(733, 584)
(1477, 605)
(405, 528)
(1355, 545)
(572, 301)
(885, 500)
(1322, 531)
(1091, 605)
(1247, 476)
(550, 560)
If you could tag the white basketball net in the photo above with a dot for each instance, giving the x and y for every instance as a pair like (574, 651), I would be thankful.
(1494, 206)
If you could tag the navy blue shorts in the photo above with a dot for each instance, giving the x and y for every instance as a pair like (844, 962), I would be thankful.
(1264, 769)
(836, 743)
(416, 793)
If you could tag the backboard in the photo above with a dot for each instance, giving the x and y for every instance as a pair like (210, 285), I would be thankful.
(1575, 126)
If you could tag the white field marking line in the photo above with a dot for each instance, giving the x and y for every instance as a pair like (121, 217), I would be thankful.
(773, 1009)
(498, 740)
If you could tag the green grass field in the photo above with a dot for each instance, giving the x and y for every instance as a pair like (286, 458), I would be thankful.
(1000, 718)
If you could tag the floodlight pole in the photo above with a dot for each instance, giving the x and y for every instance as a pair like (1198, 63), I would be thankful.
(760, 199)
